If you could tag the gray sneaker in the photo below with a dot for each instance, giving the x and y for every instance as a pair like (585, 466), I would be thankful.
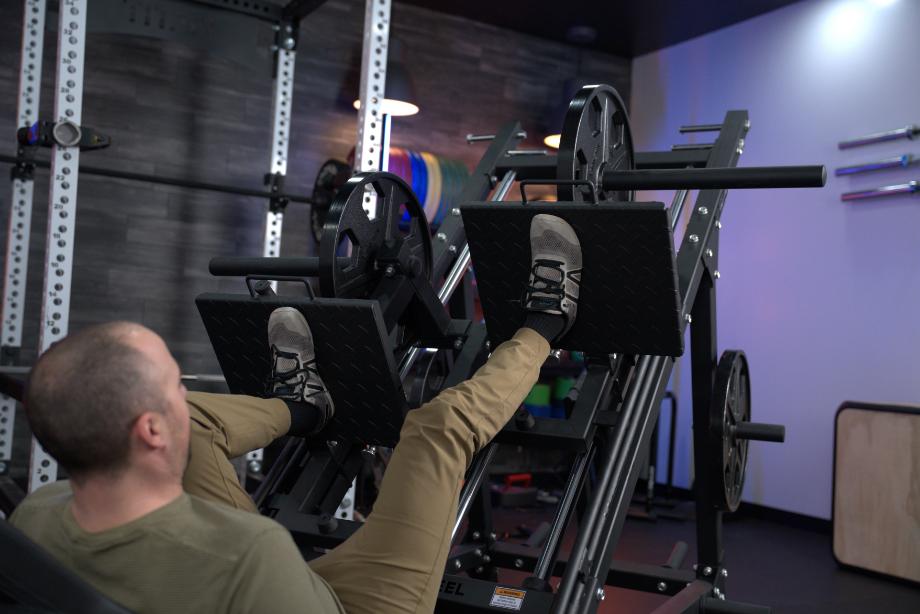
(294, 376)
(555, 273)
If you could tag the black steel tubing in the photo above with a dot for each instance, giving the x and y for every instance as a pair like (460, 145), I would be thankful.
(472, 484)
(182, 183)
(711, 605)
(701, 128)
(550, 547)
(717, 178)
(589, 521)
(616, 485)
(230, 266)
(621, 486)
(677, 556)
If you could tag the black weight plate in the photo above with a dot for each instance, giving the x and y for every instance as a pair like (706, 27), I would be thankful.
(428, 377)
(349, 232)
(731, 404)
(596, 138)
(331, 177)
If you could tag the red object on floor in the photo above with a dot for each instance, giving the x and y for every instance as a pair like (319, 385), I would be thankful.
(518, 479)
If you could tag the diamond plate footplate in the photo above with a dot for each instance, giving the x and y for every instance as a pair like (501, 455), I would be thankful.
(629, 300)
(354, 358)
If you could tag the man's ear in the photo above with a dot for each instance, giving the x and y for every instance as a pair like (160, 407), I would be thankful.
(150, 429)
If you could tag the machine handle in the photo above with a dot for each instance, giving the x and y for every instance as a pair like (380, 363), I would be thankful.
(717, 178)
(253, 293)
(580, 182)
(760, 432)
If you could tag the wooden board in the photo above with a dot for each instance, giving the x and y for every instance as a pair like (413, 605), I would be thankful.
(876, 512)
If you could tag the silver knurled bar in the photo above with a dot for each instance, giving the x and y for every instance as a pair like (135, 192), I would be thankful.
(62, 202)
(373, 87)
(282, 110)
(20, 224)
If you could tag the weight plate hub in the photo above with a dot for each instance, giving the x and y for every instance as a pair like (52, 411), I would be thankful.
(731, 404)
(596, 138)
(350, 233)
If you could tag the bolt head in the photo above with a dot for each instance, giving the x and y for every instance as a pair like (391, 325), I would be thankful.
(694, 238)
(458, 344)
(455, 211)
(480, 569)
(254, 467)
(487, 559)
(716, 274)
(662, 587)
(600, 594)
(703, 210)
(724, 572)
(457, 564)
(441, 236)
(478, 552)
(689, 320)
(707, 571)
(709, 253)
(332, 443)
(390, 271)
(518, 563)
(492, 537)
(719, 225)
(452, 249)
(476, 535)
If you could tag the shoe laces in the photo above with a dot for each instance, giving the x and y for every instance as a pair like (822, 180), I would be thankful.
(545, 292)
(292, 384)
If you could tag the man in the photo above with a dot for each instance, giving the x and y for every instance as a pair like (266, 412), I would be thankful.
(108, 403)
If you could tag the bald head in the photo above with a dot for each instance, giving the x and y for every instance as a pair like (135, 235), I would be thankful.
(87, 390)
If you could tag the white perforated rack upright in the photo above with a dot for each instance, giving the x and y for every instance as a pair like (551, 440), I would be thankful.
(372, 150)
(17, 241)
(282, 94)
(62, 201)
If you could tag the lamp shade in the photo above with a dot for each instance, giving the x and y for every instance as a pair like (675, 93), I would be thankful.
(399, 99)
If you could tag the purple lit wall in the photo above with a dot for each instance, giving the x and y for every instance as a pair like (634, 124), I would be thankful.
(822, 295)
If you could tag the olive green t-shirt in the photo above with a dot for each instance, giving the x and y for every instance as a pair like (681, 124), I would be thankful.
(191, 555)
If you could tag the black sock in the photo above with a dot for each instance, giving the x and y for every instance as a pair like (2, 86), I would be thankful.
(306, 419)
(548, 325)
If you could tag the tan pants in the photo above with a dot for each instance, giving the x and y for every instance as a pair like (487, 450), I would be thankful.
(394, 562)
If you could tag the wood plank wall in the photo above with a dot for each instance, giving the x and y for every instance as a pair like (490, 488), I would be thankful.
(176, 110)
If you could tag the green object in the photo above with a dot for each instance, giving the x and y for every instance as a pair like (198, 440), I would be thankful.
(562, 387)
(539, 395)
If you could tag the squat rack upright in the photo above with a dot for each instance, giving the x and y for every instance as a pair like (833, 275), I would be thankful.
(65, 167)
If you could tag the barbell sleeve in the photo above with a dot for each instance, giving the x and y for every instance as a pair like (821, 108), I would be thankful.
(717, 178)
(287, 267)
